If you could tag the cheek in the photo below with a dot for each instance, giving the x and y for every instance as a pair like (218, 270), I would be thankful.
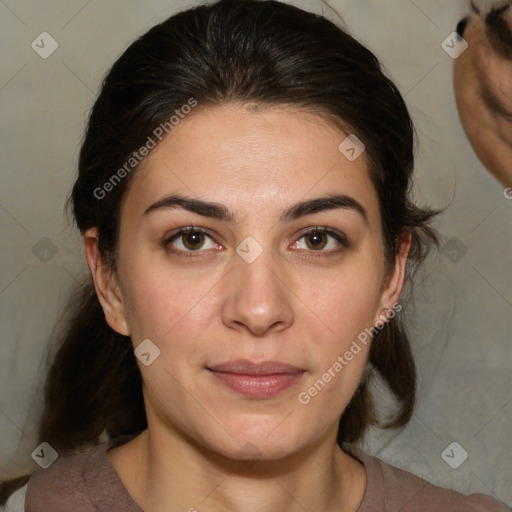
(165, 301)
(340, 334)
(161, 297)
(346, 298)
(162, 307)
(349, 310)
(340, 355)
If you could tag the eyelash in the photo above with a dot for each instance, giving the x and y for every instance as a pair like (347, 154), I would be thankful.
(338, 236)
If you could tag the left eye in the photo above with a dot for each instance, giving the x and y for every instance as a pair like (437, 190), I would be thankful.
(317, 239)
(192, 240)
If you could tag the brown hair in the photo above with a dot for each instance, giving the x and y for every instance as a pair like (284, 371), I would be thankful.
(263, 53)
(497, 30)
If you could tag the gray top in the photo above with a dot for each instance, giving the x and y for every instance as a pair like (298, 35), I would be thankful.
(89, 483)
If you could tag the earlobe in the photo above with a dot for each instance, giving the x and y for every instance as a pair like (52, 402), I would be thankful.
(395, 281)
(105, 283)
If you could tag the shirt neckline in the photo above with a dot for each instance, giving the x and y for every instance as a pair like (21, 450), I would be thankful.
(104, 485)
(373, 498)
(100, 474)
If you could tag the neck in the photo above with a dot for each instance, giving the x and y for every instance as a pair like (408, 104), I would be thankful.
(165, 467)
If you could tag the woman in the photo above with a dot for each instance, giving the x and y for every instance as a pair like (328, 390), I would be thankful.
(243, 195)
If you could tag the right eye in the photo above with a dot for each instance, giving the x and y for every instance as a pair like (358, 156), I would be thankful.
(191, 239)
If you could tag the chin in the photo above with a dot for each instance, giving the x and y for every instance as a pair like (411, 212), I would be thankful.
(265, 450)
(250, 441)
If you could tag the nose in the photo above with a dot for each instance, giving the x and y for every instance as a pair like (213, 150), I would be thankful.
(257, 296)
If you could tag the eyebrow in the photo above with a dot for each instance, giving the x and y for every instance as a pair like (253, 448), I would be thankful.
(498, 31)
(221, 212)
(461, 26)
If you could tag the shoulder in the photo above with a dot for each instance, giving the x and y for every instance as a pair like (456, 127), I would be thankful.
(391, 488)
(63, 485)
(16, 502)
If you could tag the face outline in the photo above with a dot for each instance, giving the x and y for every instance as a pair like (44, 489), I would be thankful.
(284, 306)
(483, 93)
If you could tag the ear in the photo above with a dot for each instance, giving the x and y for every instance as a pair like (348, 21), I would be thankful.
(395, 280)
(105, 283)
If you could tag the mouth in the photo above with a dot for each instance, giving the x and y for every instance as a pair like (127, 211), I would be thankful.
(256, 380)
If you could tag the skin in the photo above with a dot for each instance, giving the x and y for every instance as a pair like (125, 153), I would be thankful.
(488, 129)
(298, 303)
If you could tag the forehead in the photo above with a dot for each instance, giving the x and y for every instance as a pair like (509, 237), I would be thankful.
(251, 160)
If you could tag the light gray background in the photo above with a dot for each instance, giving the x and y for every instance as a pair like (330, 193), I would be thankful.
(461, 321)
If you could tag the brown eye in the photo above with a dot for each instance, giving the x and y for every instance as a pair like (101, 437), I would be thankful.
(189, 240)
(193, 240)
(317, 239)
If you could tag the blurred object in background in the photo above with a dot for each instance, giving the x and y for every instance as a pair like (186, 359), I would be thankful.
(483, 85)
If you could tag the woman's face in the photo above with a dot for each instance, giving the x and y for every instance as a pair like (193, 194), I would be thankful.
(256, 287)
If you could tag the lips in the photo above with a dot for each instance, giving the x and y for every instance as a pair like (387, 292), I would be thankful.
(246, 367)
(256, 380)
